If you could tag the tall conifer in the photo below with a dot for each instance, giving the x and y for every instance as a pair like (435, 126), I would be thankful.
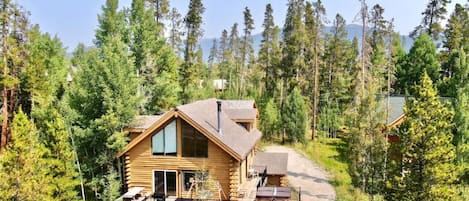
(189, 73)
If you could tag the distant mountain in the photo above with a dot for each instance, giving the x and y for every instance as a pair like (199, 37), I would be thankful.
(353, 30)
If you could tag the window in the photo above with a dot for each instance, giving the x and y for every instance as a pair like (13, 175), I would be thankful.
(164, 183)
(194, 143)
(164, 142)
(188, 177)
(245, 125)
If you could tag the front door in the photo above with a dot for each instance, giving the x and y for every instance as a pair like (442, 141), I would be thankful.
(164, 183)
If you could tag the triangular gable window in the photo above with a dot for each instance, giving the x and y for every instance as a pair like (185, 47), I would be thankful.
(164, 142)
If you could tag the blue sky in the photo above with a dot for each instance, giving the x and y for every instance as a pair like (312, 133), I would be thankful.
(74, 21)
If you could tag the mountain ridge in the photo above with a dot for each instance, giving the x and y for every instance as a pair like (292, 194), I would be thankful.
(353, 30)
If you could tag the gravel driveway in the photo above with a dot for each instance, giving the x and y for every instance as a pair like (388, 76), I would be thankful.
(307, 174)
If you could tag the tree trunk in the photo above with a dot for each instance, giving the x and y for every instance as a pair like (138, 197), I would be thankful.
(316, 82)
(4, 135)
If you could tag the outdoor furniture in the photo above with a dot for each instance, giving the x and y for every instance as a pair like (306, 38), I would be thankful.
(273, 193)
(133, 193)
(159, 197)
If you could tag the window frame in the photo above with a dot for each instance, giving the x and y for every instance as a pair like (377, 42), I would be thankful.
(165, 182)
(183, 177)
(194, 172)
(195, 136)
(163, 130)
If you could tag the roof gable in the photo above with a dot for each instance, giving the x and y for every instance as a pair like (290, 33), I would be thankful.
(202, 115)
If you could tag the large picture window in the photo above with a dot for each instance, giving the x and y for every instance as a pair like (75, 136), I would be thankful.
(164, 142)
(193, 177)
(194, 143)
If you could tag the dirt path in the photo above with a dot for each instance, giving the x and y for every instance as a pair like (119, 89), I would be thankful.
(307, 174)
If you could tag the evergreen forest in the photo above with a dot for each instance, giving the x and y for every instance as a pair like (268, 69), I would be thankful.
(63, 116)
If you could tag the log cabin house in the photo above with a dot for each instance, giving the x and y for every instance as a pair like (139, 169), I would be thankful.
(208, 144)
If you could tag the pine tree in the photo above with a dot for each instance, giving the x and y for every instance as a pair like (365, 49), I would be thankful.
(160, 11)
(378, 26)
(456, 34)
(397, 59)
(189, 73)
(336, 75)
(458, 67)
(13, 22)
(422, 57)
(427, 168)
(175, 33)
(432, 17)
(294, 116)
(366, 142)
(270, 119)
(212, 62)
(156, 63)
(235, 49)
(55, 137)
(377, 40)
(213, 56)
(44, 77)
(247, 50)
(314, 14)
(110, 23)
(224, 57)
(462, 134)
(294, 40)
(270, 53)
(78, 55)
(112, 185)
(223, 49)
(460, 84)
(23, 165)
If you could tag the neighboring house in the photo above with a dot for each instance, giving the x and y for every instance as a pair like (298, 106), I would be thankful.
(395, 112)
(215, 139)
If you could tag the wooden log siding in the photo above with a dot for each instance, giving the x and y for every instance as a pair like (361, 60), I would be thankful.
(284, 181)
(234, 180)
(140, 164)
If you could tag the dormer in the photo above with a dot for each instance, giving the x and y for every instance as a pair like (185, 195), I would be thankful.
(243, 112)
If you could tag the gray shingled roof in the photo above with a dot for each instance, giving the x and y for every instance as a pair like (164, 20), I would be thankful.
(241, 113)
(238, 104)
(276, 163)
(240, 109)
(396, 107)
(145, 121)
(234, 136)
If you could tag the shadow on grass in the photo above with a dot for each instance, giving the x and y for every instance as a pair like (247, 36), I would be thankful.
(341, 148)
